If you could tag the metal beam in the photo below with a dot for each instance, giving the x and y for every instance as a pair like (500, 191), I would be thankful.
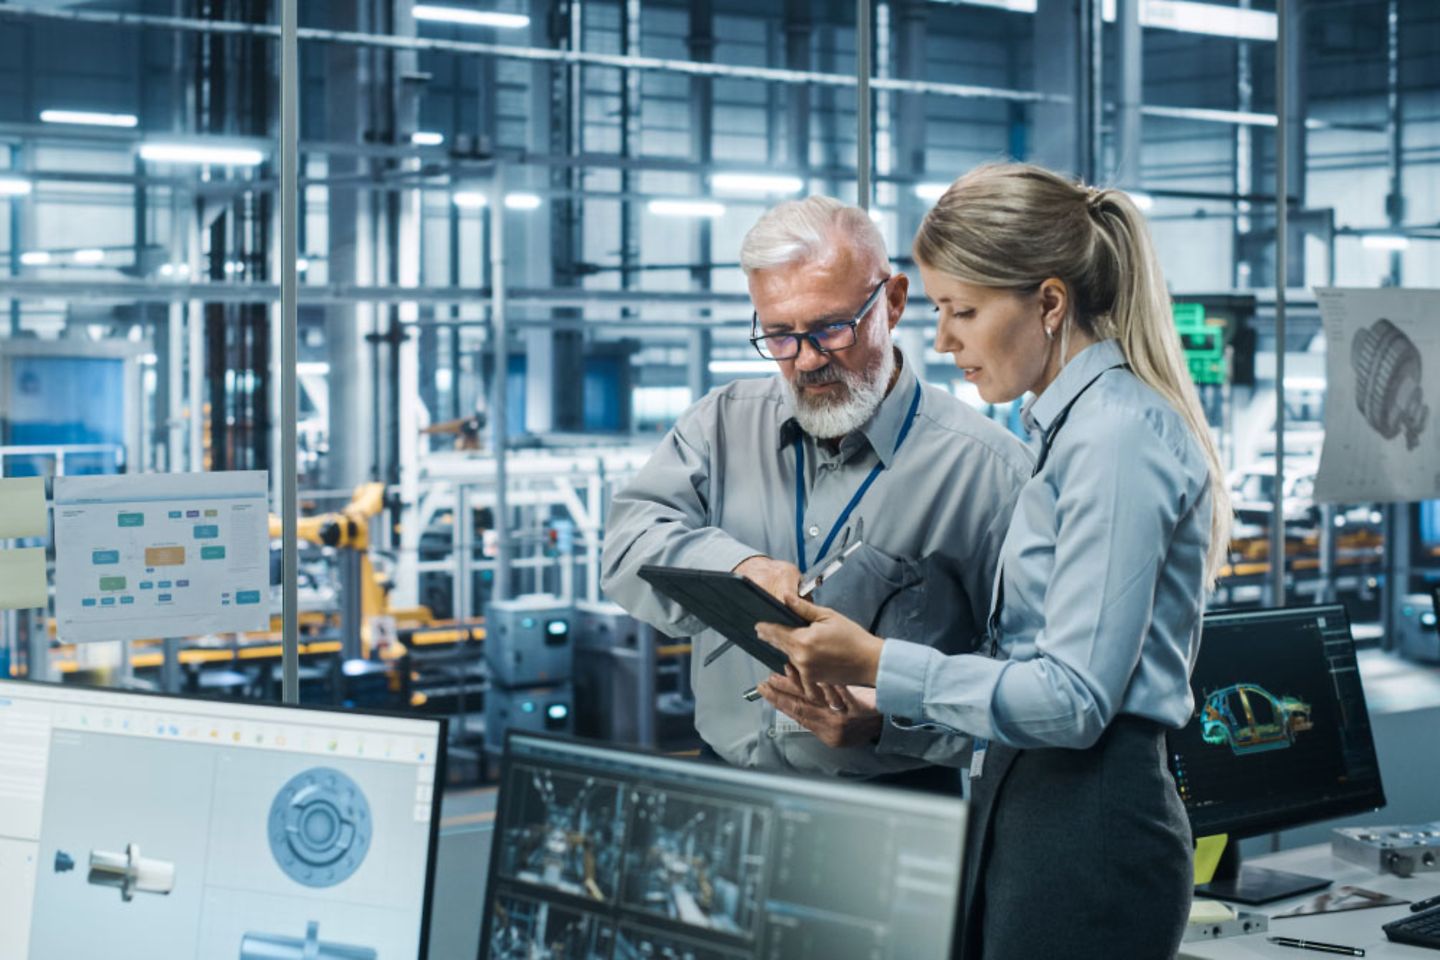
(1130, 53)
(503, 51)
(289, 351)
(864, 130)
(1282, 224)
(141, 291)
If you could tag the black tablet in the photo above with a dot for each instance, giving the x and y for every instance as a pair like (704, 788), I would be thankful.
(728, 604)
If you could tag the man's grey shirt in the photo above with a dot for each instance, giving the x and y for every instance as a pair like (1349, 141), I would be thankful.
(721, 488)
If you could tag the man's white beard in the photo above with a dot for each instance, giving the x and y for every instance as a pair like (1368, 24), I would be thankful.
(829, 417)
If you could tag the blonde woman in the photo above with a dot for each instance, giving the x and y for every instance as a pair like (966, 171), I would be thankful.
(1079, 845)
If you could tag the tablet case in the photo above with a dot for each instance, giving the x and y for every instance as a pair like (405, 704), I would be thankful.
(727, 603)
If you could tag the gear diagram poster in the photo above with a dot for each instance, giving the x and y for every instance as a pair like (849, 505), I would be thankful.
(161, 555)
(1382, 431)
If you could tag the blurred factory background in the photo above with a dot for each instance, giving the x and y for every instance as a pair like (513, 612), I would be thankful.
(518, 239)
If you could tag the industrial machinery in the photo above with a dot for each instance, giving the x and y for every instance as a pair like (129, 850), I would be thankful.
(528, 641)
(531, 709)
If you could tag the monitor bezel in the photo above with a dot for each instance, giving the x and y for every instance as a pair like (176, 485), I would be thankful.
(827, 783)
(1271, 821)
(441, 758)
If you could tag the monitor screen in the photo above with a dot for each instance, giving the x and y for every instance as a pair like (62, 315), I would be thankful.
(1279, 736)
(606, 854)
(144, 827)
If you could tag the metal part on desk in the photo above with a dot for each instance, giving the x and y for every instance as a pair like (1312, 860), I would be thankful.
(528, 641)
(533, 709)
(1241, 925)
(1401, 850)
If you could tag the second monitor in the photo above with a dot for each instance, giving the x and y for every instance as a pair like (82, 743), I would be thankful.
(1279, 737)
(606, 854)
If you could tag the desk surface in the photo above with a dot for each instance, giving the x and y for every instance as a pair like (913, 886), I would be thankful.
(1355, 928)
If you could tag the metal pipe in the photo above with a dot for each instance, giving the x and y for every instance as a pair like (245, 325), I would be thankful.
(1282, 224)
(863, 132)
(499, 387)
(503, 51)
(1130, 54)
(289, 346)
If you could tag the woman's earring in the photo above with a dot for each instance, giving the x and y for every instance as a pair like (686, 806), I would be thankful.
(1049, 333)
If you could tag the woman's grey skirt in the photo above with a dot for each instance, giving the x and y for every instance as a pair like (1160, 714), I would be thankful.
(1077, 854)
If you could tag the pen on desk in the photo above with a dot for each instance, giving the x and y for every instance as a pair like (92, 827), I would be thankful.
(1317, 946)
(1426, 904)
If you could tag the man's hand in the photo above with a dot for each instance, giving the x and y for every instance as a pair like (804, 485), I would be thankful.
(774, 576)
(833, 713)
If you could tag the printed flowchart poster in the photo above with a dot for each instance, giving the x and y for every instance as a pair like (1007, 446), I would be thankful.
(1382, 406)
(161, 555)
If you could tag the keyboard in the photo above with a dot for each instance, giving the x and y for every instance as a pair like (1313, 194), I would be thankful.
(1420, 929)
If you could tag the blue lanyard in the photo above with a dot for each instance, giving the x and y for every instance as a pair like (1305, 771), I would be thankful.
(875, 471)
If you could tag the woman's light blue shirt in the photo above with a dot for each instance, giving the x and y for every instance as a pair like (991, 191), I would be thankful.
(1103, 573)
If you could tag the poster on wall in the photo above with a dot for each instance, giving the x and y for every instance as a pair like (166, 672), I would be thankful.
(161, 555)
(1382, 407)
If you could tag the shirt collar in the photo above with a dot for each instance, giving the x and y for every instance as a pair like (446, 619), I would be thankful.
(1040, 411)
(884, 425)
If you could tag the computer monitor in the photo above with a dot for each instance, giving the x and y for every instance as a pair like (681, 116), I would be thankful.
(1279, 736)
(609, 854)
(143, 827)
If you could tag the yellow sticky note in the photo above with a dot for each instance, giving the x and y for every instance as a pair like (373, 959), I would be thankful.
(22, 578)
(22, 507)
(1208, 851)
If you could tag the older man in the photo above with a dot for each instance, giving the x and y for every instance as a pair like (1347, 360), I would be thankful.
(771, 478)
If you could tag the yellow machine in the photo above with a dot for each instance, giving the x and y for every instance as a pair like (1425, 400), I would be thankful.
(348, 530)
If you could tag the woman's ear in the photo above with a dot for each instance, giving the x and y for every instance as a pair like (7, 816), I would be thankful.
(1054, 297)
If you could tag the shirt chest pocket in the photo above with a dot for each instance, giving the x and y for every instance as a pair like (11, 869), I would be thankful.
(884, 594)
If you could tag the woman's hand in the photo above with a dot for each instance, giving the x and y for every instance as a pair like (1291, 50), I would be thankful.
(838, 716)
(832, 649)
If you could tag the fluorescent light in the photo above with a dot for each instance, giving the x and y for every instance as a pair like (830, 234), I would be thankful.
(1305, 383)
(686, 208)
(427, 138)
(469, 200)
(875, 214)
(521, 201)
(233, 266)
(312, 368)
(742, 366)
(183, 269)
(931, 191)
(1385, 241)
(167, 269)
(35, 258)
(196, 153)
(1187, 16)
(301, 265)
(88, 118)
(89, 256)
(14, 187)
(756, 183)
(470, 18)
(1142, 200)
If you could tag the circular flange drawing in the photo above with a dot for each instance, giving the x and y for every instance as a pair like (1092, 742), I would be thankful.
(320, 827)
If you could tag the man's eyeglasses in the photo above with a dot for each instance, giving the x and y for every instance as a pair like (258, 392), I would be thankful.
(825, 339)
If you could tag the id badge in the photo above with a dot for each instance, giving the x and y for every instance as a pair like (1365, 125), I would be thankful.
(977, 759)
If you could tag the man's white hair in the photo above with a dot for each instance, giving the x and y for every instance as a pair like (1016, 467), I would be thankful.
(800, 230)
